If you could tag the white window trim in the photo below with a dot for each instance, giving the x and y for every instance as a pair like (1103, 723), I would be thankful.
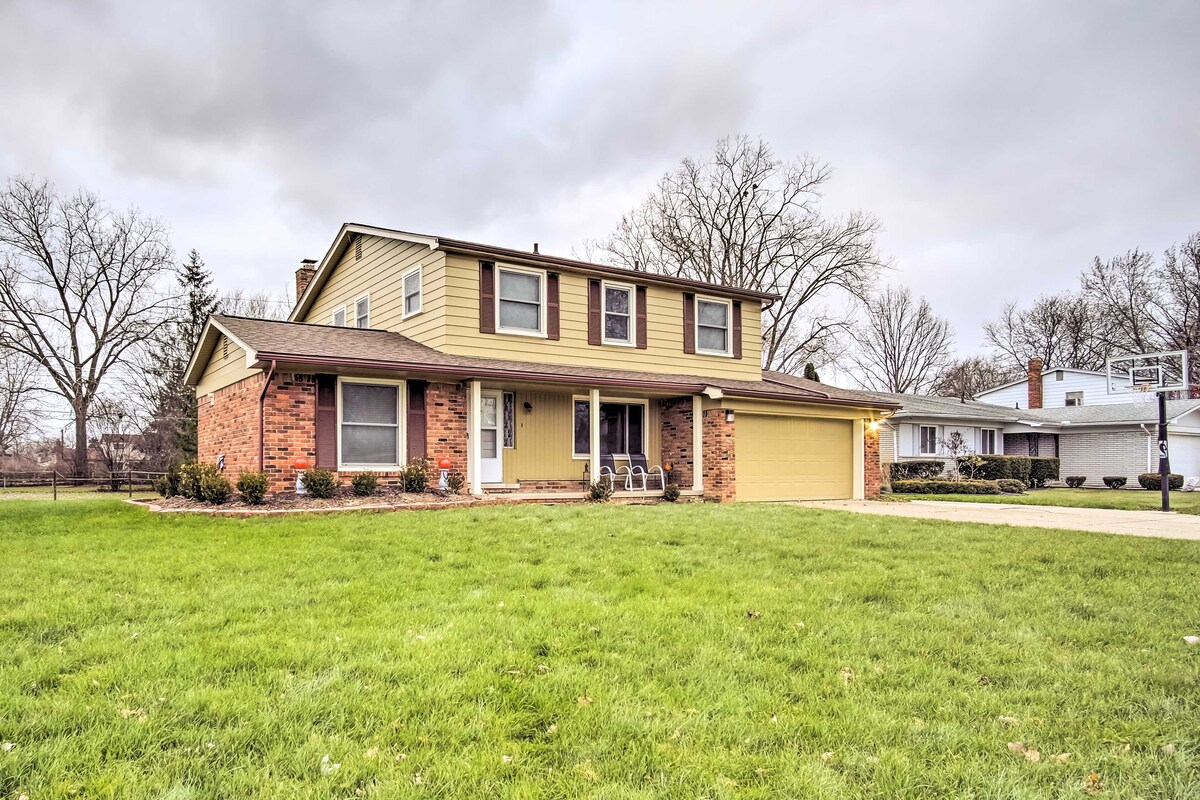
(540, 274)
(728, 351)
(333, 316)
(921, 443)
(633, 332)
(405, 313)
(627, 401)
(983, 432)
(401, 419)
(365, 296)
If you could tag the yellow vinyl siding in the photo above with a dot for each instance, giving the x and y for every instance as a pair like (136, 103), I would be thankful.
(545, 438)
(380, 275)
(226, 366)
(793, 458)
(664, 314)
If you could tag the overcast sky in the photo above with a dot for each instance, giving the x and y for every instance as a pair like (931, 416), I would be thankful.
(1002, 145)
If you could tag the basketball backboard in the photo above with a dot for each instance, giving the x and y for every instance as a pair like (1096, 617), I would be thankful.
(1148, 373)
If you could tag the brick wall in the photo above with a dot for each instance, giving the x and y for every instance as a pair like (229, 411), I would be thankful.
(228, 425)
(872, 469)
(676, 430)
(289, 427)
(446, 423)
(720, 476)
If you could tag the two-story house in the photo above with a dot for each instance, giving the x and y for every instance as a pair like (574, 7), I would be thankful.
(528, 371)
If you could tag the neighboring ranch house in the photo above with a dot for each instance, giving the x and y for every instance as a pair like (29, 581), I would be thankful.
(1091, 435)
(531, 373)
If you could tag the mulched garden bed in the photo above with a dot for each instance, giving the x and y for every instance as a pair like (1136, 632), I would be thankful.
(385, 498)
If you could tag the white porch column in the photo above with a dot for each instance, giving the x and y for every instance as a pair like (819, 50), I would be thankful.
(697, 443)
(594, 434)
(859, 488)
(474, 440)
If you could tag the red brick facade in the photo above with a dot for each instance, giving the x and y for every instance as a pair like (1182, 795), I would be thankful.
(227, 424)
(289, 427)
(872, 470)
(720, 475)
(676, 428)
(446, 423)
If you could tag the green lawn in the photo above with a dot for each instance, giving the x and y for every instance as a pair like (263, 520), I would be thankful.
(583, 651)
(1128, 499)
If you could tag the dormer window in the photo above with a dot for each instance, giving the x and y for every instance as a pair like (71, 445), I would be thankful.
(520, 301)
(618, 314)
(712, 326)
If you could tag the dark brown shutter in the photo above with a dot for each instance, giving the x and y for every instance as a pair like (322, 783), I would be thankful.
(552, 306)
(487, 297)
(641, 317)
(327, 422)
(689, 322)
(416, 420)
(595, 318)
(737, 329)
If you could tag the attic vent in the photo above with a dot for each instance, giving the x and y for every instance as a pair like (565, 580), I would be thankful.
(357, 246)
(224, 347)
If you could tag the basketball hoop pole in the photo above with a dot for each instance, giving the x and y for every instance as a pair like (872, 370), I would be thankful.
(1164, 461)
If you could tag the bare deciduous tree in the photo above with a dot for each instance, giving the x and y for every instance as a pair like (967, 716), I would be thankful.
(966, 378)
(1063, 330)
(902, 343)
(79, 289)
(18, 398)
(262, 305)
(747, 219)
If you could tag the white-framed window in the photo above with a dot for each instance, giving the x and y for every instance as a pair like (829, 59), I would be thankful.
(927, 440)
(713, 323)
(370, 423)
(1074, 398)
(339, 317)
(520, 301)
(619, 321)
(987, 442)
(362, 312)
(412, 292)
(622, 427)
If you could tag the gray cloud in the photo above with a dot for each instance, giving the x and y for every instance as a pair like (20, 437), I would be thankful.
(1002, 144)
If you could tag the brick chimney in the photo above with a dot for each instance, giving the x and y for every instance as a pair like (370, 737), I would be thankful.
(304, 275)
(1034, 373)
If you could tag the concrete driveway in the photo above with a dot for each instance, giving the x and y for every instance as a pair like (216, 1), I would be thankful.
(1100, 520)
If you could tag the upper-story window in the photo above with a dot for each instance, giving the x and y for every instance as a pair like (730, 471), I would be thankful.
(339, 317)
(1074, 398)
(362, 312)
(412, 292)
(618, 314)
(712, 326)
(520, 301)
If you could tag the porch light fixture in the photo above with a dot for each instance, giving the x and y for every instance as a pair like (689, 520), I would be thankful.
(729, 415)
(874, 426)
(528, 407)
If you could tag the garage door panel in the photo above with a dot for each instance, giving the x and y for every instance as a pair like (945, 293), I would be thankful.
(794, 458)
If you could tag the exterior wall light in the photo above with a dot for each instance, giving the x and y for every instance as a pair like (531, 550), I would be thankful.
(528, 407)
(729, 415)
(874, 425)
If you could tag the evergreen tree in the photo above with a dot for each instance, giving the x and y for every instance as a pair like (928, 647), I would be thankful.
(810, 372)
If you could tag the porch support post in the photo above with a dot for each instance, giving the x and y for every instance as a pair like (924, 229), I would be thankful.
(859, 489)
(697, 443)
(474, 439)
(594, 434)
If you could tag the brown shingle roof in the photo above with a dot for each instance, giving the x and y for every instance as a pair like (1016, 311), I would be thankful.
(326, 344)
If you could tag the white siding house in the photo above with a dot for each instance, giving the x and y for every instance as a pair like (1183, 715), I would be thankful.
(1060, 388)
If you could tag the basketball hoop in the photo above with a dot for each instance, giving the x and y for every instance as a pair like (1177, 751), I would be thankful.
(1143, 393)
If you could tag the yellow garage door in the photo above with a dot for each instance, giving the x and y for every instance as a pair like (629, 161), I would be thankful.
(794, 458)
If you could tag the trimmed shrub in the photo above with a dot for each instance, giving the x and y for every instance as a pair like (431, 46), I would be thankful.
(1009, 486)
(671, 492)
(192, 475)
(252, 486)
(1042, 469)
(917, 486)
(168, 485)
(994, 468)
(364, 484)
(320, 483)
(1114, 481)
(921, 470)
(1075, 481)
(600, 491)
(214, 487)
(1151, 480)
(415, 477)
(455, 481)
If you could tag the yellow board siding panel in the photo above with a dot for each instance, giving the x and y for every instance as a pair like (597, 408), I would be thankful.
(379, 274)
(545, 438)
(664, 313)
(793, 458)
(226, 366)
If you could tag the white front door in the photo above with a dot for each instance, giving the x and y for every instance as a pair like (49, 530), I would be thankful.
(491, 465)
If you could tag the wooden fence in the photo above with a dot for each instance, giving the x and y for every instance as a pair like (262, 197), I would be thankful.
(121, 481)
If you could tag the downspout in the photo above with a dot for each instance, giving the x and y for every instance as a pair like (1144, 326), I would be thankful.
(262, 414)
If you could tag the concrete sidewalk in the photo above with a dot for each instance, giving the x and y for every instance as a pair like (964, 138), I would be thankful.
(1100, 520)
